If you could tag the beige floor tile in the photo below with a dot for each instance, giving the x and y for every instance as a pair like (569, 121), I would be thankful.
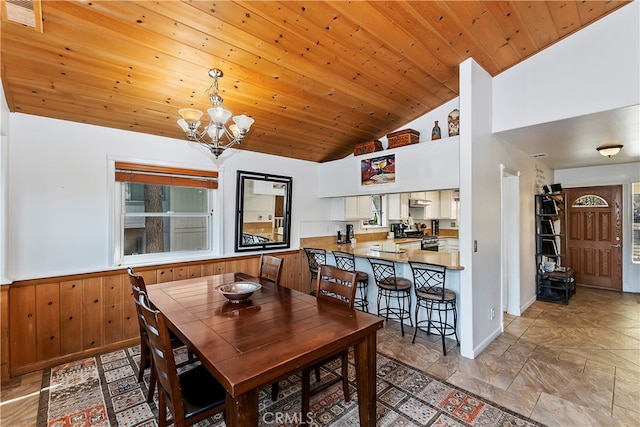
(497, 371)
(522, 403)
(593, 391)
(555, 411)
(627, 390)
(625, 416)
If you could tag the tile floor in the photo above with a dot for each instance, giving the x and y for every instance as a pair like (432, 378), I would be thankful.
(575, 365)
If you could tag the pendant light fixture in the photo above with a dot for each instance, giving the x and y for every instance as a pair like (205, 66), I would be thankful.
(215, 136)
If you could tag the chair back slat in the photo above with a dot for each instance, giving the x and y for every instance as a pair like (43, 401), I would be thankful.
(429, 278)
(270, 268)
(336, 284)
(163, 357)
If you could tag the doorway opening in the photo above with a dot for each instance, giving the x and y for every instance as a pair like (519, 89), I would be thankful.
(510, 240)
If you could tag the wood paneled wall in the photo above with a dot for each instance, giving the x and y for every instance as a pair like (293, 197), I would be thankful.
(45, 322)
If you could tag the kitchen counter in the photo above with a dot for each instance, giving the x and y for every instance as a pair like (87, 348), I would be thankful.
(368, 250)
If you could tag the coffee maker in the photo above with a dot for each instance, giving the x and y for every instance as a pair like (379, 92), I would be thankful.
(398, 230)
(349, 235)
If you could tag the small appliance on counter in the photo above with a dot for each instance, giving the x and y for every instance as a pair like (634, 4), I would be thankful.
(349, 234)
(398, 230)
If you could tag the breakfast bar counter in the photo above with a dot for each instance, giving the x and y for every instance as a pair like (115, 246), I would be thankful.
(370, 249)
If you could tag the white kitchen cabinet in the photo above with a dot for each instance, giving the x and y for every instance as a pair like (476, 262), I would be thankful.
(433, 210)
(348, 208)
(448, 204)
(398, 206)
(429, 211)
(453, 245)
(448, 244)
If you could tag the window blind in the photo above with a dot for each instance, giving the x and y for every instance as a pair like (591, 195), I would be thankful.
(161, 175)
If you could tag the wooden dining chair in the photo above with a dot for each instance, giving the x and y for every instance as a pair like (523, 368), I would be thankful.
(347, 261)
(337, 286)
(270, 268)
(138, 285)
(191, 396)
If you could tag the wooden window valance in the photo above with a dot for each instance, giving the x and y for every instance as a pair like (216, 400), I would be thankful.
(161, 175)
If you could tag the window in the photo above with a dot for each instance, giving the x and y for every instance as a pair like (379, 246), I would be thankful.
(375, 220)
(635, 224)
(162, 213)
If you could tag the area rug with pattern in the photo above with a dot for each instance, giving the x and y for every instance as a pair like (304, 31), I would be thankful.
(104, 391)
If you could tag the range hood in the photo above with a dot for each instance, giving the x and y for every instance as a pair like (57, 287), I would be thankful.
(416, 203)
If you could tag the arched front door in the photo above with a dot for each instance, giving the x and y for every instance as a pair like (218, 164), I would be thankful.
(595, 235)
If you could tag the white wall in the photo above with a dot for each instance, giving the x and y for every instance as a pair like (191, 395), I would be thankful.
(428, 165)
(59, 200)
(621, 174)
(480, 178)
(593, 70)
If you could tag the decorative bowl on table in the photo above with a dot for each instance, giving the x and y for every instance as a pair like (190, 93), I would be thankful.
(238, 291)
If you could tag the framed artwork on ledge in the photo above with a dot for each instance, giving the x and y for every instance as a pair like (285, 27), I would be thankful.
(378, 170)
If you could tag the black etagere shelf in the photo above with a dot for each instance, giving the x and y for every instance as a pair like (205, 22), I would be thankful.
(555, 280)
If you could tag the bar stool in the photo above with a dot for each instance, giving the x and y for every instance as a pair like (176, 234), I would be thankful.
(392, 287)
(429, 280)
(347, 261)
(316, 258)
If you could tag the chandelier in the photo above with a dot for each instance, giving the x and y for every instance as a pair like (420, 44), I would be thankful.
(215, 136)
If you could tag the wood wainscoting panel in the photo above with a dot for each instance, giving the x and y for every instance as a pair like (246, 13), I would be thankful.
(113, 308)
(22, 325)
(48, 321)
(92, 313)
(71, 316)
(4, 334)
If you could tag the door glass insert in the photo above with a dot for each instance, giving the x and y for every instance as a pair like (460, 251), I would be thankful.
(590, 200)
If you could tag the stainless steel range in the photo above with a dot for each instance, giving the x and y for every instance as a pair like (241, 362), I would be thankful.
(429, 243)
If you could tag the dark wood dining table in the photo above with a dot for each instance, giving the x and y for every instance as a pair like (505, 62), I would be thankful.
(278, 331)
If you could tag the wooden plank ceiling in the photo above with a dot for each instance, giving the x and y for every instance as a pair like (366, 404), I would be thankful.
(318, 77)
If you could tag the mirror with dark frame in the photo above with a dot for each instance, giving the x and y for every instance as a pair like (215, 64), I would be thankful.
(263, 211)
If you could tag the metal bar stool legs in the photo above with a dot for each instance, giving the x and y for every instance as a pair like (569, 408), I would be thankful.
(439, 302)
(394, 291)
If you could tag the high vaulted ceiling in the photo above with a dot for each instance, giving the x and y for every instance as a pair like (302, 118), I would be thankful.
(318, 77)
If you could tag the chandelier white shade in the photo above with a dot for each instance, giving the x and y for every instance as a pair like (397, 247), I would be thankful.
(609, 150)
(215, 136)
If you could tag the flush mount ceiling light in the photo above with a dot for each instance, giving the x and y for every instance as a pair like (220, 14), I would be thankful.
(609, 150)
(215, 136)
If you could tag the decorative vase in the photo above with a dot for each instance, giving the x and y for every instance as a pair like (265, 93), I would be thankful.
(435, 133)
(454, 122)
